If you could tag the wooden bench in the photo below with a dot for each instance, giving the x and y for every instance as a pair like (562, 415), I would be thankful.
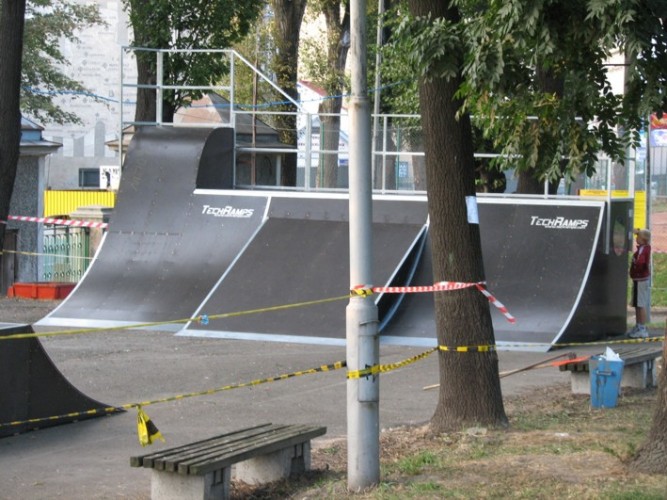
(638, 368)
(203, 469)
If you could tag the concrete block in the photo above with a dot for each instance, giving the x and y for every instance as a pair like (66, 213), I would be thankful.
(640, 375)
(580, 382)
(167, 485)
(274, 466)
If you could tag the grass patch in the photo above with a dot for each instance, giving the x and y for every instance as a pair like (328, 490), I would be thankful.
(659, 284)
(556, 447)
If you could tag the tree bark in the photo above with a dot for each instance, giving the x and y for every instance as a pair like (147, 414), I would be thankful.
(652, 455)
(288, 15)
(338, 46)
(12, 20)
(146, 110)
(470, 392)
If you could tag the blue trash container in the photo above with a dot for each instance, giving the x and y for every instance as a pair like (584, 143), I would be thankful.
(605, 381)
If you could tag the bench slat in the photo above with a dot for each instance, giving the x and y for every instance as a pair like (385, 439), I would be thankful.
(264, 446)
(149, 459)
(171, 461)
(219, 452)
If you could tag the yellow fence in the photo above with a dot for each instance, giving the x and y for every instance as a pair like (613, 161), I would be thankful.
(639, 207)
(58, 203)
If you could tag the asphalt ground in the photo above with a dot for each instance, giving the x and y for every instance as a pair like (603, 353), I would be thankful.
(90, 459)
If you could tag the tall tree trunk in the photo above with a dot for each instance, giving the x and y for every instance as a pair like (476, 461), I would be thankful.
(528, 182)
(146, 110)
(652, 456)
(470, 391)
(329, 140)
(12, 20)
(338, 46)
(288, 15)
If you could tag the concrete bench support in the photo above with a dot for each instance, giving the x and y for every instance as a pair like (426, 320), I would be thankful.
(174, 486)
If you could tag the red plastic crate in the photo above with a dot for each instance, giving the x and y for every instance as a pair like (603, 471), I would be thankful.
(48, 290)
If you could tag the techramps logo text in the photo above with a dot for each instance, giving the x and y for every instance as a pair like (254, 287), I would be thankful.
(228, 211)
(558, 222)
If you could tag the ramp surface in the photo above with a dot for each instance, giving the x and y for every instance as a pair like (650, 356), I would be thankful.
(165, 247)
(542, 260)
(32, 388)
(301, 254)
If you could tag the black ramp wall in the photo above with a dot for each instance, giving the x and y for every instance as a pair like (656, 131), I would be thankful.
(537, 258)
(166, 247)
(32, 388)
(545, 261)
(301, 254)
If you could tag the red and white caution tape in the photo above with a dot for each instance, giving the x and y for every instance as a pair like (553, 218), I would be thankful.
(441, 286)
(496, 303)
(61, 222)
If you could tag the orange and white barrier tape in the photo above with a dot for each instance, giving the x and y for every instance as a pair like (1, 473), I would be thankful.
(61, 222)
(441, 286)
(499, 305)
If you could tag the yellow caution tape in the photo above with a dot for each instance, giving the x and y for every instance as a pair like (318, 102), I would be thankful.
(73, 415)
(467, 348)
(139, 326)
(374, 370)
(361, 291)
(146, 429)
(42, 254)
(352, 374)
(113, 409)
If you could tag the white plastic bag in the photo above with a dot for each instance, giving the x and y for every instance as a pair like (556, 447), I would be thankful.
(610, 355)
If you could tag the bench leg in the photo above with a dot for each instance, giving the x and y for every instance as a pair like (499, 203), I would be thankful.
(274, 466)
(640, 375)
(167, 485)
(580, 382)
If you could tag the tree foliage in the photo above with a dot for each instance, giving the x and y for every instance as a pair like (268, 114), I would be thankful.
(184, 25)
(536, 81)
(48, 23)
(287, 19)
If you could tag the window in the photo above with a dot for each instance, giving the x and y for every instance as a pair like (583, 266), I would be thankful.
(89, 177)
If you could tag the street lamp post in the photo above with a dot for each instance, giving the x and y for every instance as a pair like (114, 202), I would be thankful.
(363, 393)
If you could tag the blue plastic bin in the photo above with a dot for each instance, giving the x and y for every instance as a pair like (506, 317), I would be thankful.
(605, 381)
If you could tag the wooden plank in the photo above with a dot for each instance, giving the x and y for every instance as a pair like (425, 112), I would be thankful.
(269, 446)
(225, 456)
(212, 447)
(149, 459)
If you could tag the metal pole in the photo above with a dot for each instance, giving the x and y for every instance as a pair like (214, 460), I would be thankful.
(363, 394)
(159, 98)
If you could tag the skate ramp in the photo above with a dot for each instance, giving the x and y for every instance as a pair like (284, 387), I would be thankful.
(546, 261)
(32, 388)
(165, 247)
(301, 254)
(181, 244)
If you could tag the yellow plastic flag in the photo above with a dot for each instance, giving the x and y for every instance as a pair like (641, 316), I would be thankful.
(146, 429)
